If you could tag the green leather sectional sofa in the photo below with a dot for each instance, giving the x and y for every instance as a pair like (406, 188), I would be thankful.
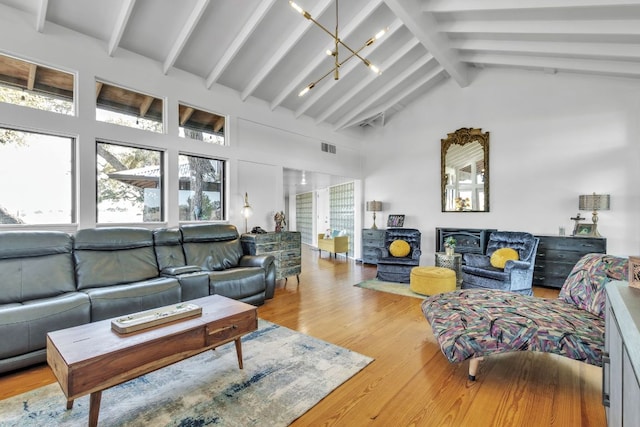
(51, 280)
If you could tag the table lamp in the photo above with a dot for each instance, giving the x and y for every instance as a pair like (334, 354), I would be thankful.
(594, 202)
(374, 206)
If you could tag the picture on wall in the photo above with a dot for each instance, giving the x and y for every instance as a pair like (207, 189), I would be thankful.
(395, 221)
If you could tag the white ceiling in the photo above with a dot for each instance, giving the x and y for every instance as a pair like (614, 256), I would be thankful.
(265, 49)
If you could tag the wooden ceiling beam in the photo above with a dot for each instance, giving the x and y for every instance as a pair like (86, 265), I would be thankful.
(31, 80)
(42, 15)
(186, 114)
(388, 89)
(98, 89)
(121, 24)
(145, 105)
(219, 124)
(184, 35)
(239, 41)
(288, 44)
(298, 82)
(362, 84)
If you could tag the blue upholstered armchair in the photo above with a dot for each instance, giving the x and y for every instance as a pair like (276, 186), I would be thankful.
(480, 271)
(398, 268)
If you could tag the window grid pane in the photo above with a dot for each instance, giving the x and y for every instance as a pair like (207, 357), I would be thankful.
(201, 188)
(36, 178)
(129, 184)
(304, 217)
(341, 210)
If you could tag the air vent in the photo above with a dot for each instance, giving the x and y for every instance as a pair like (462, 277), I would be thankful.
(328, 148)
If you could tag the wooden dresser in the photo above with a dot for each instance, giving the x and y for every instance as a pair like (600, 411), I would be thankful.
(286, 248)
(557, 255)
(371, 240)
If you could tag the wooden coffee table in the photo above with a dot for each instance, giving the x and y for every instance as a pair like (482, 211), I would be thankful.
(90, 358)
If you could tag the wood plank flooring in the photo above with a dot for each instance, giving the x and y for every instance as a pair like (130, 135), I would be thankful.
(410, 383)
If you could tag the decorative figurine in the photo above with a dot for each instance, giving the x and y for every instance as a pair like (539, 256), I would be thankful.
(280, 220)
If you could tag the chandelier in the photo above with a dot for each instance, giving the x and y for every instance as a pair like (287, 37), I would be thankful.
(335, 53)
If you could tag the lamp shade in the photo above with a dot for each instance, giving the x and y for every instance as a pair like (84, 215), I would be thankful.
(374, 206)
(594, 202)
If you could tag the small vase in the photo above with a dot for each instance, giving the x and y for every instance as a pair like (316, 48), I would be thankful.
(449, 250)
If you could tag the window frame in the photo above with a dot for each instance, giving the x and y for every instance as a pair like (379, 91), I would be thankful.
(162, 182)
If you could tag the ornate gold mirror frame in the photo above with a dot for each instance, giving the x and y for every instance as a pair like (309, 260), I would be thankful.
(464, 171)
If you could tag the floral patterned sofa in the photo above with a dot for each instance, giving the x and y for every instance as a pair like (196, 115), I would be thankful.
(474, 323)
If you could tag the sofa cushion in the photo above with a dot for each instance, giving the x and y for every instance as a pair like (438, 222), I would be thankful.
(500, 257)
(585, 285)
(399, 248)
(214, 247)
(112, 256)
(113, 301)
(168, 248)
(35, 264)
(24, 327)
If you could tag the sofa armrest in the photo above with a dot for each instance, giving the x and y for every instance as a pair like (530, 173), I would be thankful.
(263, 261)
(477, 260)
(267, 262)
(516, 265)
(184, 269)
(382, 252)
(416, 254)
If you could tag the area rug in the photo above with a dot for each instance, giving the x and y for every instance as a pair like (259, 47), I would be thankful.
(285, 374)
(391, 287)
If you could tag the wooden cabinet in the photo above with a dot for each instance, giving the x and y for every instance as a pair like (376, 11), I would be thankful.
(286, 248)
(621, 361)
(557, 255)
(371, 240)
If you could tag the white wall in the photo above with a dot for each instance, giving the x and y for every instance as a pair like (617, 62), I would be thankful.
(553, 137)
(262, 141)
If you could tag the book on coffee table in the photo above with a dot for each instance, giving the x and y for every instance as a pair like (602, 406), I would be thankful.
(154, 317)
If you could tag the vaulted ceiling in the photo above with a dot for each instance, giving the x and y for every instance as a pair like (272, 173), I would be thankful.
(267, 50)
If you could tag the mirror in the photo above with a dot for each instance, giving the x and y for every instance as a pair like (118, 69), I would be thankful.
(464, 171)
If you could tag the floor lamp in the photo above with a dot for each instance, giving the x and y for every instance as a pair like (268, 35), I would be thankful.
(246, 212)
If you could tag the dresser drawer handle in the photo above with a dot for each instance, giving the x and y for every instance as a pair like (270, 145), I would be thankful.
(223, 329)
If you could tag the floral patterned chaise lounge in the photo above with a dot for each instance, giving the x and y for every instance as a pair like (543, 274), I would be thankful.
(474, 323)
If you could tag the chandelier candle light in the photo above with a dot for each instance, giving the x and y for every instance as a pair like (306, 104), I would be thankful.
(335, 53)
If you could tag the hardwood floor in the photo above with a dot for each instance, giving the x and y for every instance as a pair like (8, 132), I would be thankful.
(410, 383)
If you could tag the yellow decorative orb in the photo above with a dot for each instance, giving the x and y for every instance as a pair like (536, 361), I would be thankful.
(500, 257)
(399, 248)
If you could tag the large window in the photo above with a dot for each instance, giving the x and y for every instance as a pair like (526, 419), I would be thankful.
(201, 188)
(128, 108)
(130, 182)
(35, 86)
(36, 178)
(201, 125)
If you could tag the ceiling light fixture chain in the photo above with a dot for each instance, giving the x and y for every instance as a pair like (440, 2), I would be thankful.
(336, 41)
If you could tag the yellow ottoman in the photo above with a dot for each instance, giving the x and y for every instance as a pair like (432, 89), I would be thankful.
(432, 280)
